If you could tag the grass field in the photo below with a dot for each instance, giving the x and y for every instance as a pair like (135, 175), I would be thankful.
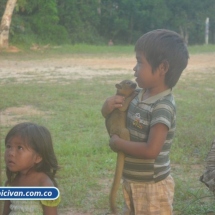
(70, 108)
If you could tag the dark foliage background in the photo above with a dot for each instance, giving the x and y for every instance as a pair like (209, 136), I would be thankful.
(98, 21)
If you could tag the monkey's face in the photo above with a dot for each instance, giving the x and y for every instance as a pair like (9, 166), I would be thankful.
(126, 88)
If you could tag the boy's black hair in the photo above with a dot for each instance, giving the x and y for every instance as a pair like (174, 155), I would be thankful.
(163, 45)
(39, 139)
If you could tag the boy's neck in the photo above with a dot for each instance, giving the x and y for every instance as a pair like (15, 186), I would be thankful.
(153, 91)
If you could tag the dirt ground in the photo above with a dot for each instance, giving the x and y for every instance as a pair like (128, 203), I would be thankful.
(68, 68)
(52, 69)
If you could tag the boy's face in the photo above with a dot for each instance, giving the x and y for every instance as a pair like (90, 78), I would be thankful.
(143, 73)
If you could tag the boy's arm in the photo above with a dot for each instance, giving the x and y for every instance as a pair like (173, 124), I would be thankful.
(111, 103)
(127, 101)
(146, 150)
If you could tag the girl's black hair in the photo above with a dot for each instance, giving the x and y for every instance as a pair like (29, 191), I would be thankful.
(39, 139)
(161, 45)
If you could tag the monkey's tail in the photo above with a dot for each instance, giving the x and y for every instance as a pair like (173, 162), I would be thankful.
(116, 181)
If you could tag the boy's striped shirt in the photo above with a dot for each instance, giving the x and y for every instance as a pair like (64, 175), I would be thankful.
(142, 115)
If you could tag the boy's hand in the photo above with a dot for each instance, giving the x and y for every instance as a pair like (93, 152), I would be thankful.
(111, 103)
(112, 142)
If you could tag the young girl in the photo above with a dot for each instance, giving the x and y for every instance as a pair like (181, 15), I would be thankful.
(30, 161)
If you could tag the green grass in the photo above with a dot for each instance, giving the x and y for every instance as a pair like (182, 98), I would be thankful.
(72, 114)
(85, 50)
(78, 50)
(197, 49)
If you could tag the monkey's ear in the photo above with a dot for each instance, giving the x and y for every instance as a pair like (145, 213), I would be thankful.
(118, 86)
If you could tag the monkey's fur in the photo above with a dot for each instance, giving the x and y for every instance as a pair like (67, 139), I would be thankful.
(116, 124)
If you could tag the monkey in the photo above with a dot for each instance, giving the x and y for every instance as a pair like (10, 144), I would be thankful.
(116, 124)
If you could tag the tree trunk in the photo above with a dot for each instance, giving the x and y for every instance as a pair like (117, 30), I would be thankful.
(5, 23)
(131, 30)
(184, 33)
(99, 7)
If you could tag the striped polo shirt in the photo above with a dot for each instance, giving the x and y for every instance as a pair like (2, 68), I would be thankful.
(141, 116)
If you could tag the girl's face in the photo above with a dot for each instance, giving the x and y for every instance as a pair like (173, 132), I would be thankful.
(19, 157)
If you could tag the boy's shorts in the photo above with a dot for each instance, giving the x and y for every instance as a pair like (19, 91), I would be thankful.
(149, 198)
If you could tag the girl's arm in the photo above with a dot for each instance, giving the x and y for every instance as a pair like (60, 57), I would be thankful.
(49, 210)
(111, 103)
(6, 209)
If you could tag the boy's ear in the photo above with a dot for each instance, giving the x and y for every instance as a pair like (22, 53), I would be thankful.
(164, 67)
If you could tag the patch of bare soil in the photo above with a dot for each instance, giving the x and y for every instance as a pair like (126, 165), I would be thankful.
(72, 212)
(14, 115)
(69, 68)
(201, 62)
(63, 70)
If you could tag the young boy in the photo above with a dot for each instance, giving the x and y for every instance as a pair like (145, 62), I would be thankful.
(148, 187)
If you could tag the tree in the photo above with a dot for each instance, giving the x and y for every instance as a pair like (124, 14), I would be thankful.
(188, 18)
(5, 23)
(81, 19)
(124, 21)
(96, 21)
